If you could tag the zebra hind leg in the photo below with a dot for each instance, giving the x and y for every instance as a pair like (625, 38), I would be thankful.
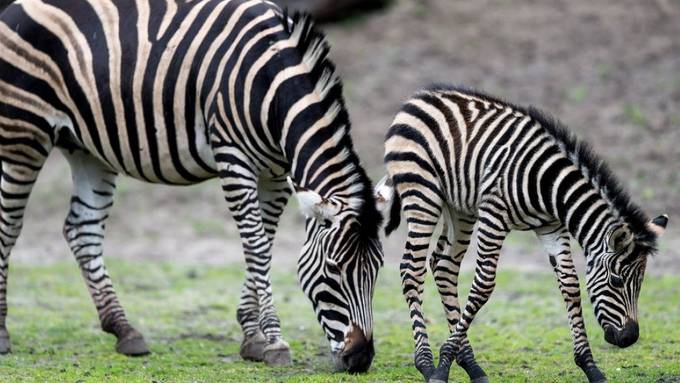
(93, 190)
(556, 242)
(490, 239)
(17, 177)
(413, 268)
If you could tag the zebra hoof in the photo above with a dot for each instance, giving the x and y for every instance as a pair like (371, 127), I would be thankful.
(439, 375)
(132, 344)
(277, 354)
(252, 348)
(5, 346)
(481, 379)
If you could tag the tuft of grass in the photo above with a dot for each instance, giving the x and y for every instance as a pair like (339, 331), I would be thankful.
(187, 313)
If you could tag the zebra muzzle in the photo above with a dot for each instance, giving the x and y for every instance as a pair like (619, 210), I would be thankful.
(357, 354)
(623, 337)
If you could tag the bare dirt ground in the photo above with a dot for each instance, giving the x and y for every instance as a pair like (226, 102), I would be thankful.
(610, 70)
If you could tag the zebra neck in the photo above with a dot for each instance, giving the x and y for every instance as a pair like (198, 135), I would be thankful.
(321, 158)
(331, 176)
(581, 207)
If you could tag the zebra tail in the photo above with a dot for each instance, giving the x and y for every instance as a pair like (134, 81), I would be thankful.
(395, 214)
(385, 194)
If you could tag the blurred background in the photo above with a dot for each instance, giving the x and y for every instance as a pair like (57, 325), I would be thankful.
(608, 69)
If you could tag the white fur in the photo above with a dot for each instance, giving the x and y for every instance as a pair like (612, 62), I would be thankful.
(384, 192)
(657, 229)
(312, 205)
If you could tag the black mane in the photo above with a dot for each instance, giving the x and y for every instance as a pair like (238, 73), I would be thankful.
(591, 166)
(312, 39)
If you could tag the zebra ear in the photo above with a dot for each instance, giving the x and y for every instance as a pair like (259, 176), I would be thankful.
(312, 204)
(658, 225)
(619, 238)
(384, 193)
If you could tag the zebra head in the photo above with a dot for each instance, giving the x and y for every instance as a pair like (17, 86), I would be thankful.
(614, 278)
(337, 270)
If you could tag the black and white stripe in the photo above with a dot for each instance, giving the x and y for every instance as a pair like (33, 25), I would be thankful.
(177, 92)
(465, 158)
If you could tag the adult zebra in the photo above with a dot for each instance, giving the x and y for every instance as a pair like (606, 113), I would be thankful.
(466, 158)
(177, 92)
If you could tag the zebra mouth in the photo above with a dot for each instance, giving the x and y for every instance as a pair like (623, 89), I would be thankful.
(357, 353)
(623, 337)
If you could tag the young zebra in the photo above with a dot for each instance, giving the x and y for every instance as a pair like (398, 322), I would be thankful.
(177, 92)
(466, 158)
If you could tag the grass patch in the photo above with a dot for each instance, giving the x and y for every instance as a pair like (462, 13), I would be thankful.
(187, 314)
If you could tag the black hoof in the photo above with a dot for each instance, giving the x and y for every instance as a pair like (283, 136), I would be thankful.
(440, 375)
(5, 346)
(252, 349)
(481, 379)
(595, 375)
(132, 344)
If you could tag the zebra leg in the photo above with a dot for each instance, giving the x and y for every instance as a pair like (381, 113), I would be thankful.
(93, 188)
(490, 236)
(247, 315)
(240, 185)
(273, 194)
(421, 226)
(556, 242)
(16, 182)
(445, 264)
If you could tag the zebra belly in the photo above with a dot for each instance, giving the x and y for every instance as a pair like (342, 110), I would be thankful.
(149, 167)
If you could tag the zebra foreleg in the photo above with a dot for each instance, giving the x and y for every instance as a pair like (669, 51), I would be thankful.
(247, 315)
(16, 182)
(490, 235)
(556, 242)
(413, 268)
(273, 194)
(84, 229)
(240, 185)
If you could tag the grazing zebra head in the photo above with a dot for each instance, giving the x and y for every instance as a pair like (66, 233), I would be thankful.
(614, 277)
(338, 268)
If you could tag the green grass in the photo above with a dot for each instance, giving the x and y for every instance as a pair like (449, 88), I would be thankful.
(187, 314)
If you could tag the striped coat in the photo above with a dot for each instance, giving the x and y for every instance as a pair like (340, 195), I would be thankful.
(466, 158)
(177, 92)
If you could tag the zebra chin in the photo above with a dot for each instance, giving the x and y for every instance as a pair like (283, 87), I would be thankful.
(623, 337)
(357, 353)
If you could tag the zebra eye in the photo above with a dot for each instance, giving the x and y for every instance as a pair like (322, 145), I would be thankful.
(333, 267)
(616, 281)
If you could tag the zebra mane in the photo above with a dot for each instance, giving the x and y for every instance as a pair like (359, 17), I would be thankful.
(313, 47)
(589, 163)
